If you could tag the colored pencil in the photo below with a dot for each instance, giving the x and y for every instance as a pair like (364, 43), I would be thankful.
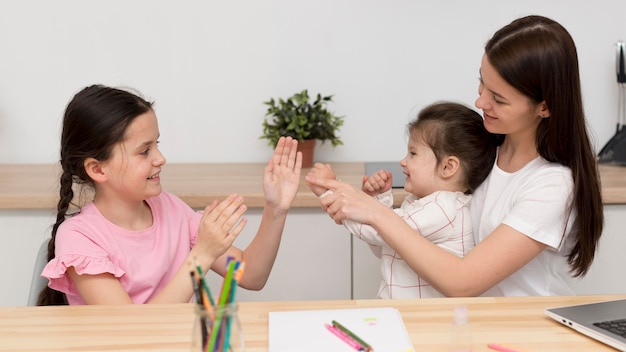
(226, 285)
(203, 326)
(345, 338)
(204, 285)
(231, 300)
(365, 345)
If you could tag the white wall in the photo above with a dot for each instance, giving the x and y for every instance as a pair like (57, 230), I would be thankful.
(209, 65)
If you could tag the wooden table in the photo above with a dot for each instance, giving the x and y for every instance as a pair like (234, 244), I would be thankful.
(516, 321)
(35, 186)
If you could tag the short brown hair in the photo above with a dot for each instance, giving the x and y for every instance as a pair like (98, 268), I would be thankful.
(454, 129)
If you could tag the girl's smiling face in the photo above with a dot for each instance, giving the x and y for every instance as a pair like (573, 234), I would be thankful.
(420, 167)
(136, 162)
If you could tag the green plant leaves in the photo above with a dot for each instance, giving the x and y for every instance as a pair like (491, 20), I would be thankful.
(301, 119)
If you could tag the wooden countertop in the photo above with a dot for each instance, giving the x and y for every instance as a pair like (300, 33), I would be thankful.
(516, 321)
(34, 186)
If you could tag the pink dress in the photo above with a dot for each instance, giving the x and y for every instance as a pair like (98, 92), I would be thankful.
(144, 261)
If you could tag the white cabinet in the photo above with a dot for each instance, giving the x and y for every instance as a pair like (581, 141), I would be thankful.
(313, 261)
(605, 274)
(21, 234)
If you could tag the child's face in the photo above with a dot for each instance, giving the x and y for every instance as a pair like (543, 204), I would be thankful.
(420, 167)
(134, 168)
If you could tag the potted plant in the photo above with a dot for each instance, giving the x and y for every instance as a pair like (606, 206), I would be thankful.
(303, 120)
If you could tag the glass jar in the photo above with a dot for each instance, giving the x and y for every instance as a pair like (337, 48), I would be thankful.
(217, 330)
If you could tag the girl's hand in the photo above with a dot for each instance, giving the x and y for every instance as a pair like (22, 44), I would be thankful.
(282, 174)
(378, 183)
(321, 171)
(219, 227)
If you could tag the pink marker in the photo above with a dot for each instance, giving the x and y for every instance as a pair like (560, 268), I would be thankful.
(503, 348)
(343, 336)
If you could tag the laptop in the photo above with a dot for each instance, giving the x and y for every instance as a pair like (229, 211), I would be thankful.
(392, 166)
(600, 321)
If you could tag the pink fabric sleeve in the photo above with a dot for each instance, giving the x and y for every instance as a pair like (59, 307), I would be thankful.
(56, 270)
(74, 248)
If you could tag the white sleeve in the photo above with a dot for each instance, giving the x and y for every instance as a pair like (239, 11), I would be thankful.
(541, 207)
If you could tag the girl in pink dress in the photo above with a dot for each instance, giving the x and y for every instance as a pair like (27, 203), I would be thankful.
(136, 243)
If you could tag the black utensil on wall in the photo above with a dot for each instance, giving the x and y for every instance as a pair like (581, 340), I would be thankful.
(614, 152)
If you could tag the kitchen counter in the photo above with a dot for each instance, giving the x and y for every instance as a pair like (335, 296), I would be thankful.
(35, 186)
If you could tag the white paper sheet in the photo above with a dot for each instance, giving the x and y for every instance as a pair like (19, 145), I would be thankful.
(302, 331)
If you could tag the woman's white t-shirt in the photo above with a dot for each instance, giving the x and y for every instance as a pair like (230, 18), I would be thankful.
(536, 202)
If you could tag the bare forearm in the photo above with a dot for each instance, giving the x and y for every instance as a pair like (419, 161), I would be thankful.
(495, 258)
(180, 287)
(260, 255)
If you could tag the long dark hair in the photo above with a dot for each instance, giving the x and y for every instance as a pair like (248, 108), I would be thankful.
(538, 57)
(454, 129)
(94, 121)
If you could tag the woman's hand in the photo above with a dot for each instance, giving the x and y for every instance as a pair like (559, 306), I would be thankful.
(346, 202)
(281, 177)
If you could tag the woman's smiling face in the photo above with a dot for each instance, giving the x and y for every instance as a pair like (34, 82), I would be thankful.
(505, 109)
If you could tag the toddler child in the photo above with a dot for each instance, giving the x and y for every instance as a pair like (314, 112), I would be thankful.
(449, 154)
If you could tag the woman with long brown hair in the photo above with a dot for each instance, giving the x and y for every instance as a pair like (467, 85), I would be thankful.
(538, 216)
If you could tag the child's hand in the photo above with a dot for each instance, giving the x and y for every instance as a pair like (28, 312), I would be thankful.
(219, 226)
(378, 183)
(323, 171)
(281, 177)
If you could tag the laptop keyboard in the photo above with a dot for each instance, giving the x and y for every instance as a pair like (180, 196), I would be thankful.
(617, 327)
